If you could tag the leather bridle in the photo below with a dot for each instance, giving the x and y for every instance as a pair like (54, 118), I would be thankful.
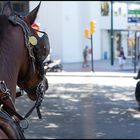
(40, 86)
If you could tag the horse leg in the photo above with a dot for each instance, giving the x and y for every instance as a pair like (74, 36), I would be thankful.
(3, 135)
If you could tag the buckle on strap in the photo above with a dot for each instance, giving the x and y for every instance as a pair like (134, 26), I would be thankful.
(6, 91)
(4, 88)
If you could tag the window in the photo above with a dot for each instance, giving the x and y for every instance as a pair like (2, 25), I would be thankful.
(104, 8)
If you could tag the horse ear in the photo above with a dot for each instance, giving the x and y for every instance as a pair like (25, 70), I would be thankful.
(7, 9)
(33, 14)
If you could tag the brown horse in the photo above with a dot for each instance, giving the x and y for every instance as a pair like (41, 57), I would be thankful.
(22, 53)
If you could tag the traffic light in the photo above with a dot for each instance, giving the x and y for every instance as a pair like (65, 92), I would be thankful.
(92, 27)
(86, 33)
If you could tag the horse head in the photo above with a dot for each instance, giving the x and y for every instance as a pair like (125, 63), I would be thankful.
(40, 51)
(31, 72)
(22, 52)
(30, 51)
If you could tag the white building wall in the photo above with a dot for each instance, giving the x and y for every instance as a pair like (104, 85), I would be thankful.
(95, 15)
(50, 19)
(84, 18)
(119, 22)
(70, 33)
(105, 47)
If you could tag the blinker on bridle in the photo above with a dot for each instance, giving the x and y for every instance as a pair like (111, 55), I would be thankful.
(34, 41)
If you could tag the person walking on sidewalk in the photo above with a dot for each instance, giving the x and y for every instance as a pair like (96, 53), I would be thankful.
(85, 57)
(121, 57)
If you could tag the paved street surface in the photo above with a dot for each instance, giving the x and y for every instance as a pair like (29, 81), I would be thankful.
(85, 106)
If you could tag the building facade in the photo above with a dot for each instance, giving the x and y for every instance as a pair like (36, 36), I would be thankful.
(65, 22)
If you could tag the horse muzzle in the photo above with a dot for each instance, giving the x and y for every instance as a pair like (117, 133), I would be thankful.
(38, 90)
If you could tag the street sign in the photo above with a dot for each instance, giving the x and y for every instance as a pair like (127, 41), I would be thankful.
(134, 12)
(133, 19)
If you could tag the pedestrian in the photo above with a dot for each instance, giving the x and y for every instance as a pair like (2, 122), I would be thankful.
(85, 57)
(121, 58)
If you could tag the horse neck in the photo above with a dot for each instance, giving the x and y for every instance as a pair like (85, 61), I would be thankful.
(10, 65)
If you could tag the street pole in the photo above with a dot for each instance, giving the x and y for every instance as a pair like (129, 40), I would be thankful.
(92, 53)
(86, 34)
(112, 37)
(135, 49)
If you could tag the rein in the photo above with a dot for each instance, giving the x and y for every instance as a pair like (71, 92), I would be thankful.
(6, 98)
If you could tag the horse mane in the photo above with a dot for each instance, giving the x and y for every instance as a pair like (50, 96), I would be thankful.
(3, 25)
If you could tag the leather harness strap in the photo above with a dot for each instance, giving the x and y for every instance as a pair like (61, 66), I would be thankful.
(6, 97)
(6, 100)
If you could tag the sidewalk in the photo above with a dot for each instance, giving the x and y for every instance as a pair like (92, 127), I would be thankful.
(101, 68)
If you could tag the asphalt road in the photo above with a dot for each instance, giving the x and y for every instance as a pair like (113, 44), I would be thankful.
(85, 108)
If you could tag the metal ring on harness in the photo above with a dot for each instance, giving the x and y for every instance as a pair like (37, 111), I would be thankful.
(24, 124)
(3, 87)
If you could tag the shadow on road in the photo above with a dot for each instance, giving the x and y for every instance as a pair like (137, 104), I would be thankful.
(83, 111)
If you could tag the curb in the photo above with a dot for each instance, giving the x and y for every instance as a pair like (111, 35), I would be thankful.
(92, 74)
